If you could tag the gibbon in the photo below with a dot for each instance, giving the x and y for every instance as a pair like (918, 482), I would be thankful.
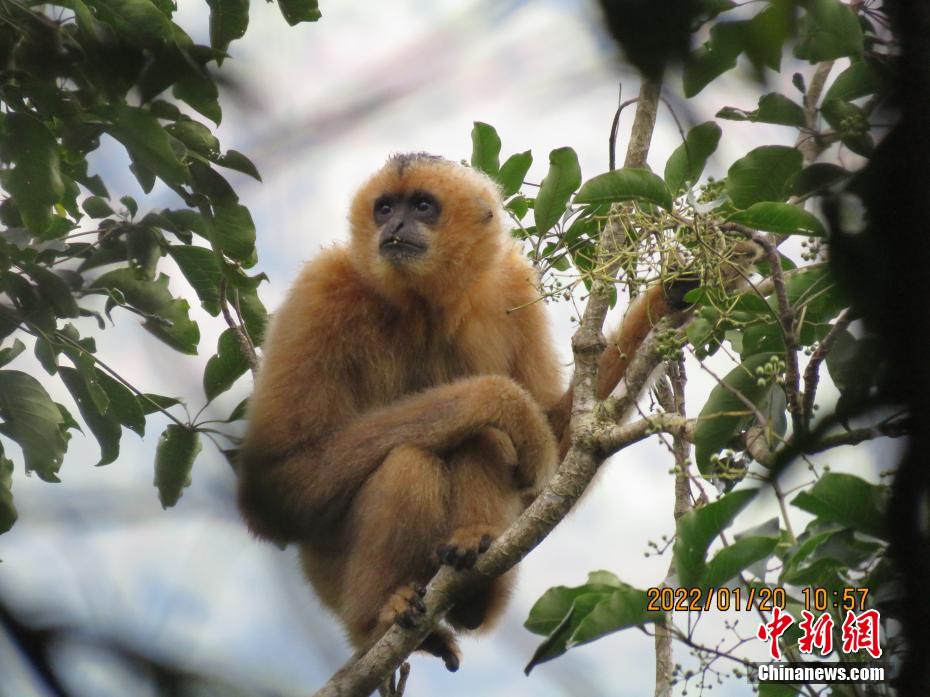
(401, 416)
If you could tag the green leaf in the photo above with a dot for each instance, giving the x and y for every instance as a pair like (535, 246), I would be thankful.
(229, 20)
(202, 271)
(170, 321)
(296, 11)
(234, 232)
(147, 142)
(152, 403)
(7, 509)
(724, 413)
(575, 616)
(762, 175)
(201, 93)
(858, 80)
(828, 30)
(697, 528)
(174, 459)
(130, 204)
(781, 218)
(766, 34)
(54, 290)
(35, 182)
(144, 23)
(556, 189)
(736, 558)
(240, 412)
(196, 137)
(225, 367)
(513, 172)
(715, 57)
(8, 354)
(687, 162)
(485, 149)
(233, 159)
(627, 184)
(106, 430)
(144, 249)
(847, 500)
(33, 421)
(817, 178)
(773, 108)
(96, 207)
(123, 404)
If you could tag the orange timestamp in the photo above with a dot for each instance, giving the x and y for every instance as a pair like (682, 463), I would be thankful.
(694, 599)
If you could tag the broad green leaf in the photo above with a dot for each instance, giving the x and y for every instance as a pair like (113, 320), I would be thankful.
(170, 321)
(858, 80)
(8, 354)
(715, 57)
(139, 19)
(817, 178)
(152, 403)
(174, 459)
(556, 189)
(123, 406)
(96, 207)
(225, 367)
(147, 142)
(773, 108)
(35, 182)
(233, 159)
(724, 413)
(763, 175)
(513, 172)
(240, 412)
(234, 232)
(781, 218)
(229, 20)
(196, 137)
(698, 527)
(254, 314)
(143, 246)
(485, 149)
(296, 11)
(735, 558)
(33, 421)
(687, 163)
(828, 30)
(201, 93)
(766, 34)
(202, 271)
(575, 616)
(848, 500)
(106, 430)
(627, 184)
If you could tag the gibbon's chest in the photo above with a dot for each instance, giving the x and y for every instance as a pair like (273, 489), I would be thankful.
(412, 352)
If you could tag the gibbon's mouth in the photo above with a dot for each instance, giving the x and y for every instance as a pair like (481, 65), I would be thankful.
(395, 247)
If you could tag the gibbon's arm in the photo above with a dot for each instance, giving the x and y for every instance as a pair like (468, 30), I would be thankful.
(310, 442)
(648, 308)
(644, 313)
(285, 495)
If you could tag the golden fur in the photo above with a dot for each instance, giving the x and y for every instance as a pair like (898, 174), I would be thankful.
(401, 407)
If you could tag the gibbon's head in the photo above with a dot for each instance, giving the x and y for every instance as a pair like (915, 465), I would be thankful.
(426, 224)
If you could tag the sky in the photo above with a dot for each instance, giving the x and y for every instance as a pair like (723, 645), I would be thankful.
(318, 108)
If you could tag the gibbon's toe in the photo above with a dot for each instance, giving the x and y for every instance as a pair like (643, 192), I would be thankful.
(405, 607)
(463, 548)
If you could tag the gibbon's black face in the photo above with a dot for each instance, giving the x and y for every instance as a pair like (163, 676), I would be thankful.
(404, 221)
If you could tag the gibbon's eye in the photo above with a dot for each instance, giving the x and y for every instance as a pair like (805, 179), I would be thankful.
(424, 206)
(383, 209)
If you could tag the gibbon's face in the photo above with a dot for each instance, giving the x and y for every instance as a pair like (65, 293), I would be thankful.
(422, 221)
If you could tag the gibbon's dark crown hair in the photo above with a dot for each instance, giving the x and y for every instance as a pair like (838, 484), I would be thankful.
(403, 159)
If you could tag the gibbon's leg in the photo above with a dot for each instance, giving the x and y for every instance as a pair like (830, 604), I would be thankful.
(483, 503)
(398, 518)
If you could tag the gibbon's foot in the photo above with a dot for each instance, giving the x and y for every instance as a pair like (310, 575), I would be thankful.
(463, 548)
(441, 644)
(405, 606)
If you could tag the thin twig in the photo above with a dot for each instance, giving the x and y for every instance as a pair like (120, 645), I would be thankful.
(245, 343)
